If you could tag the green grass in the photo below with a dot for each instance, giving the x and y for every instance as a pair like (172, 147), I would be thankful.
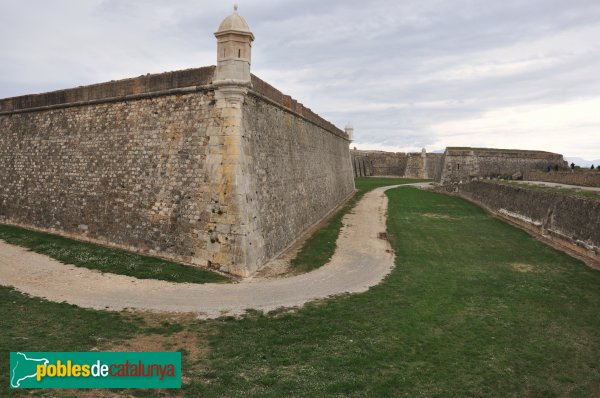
(32, 324)
(318, 249)
(456, 317)
(115, 261)
(473, 307)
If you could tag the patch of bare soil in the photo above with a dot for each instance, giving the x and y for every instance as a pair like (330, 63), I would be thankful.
(194, 347)
(440, 216)
(159, 343)
(278, 268)
(523, 267)
(164, 340)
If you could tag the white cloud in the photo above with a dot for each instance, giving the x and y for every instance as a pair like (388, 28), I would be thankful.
(516, 73)
(568, 127)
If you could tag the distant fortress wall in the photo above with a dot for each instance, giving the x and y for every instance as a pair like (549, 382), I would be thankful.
(462, 163)
(434, 165)
(378, 163)
(399, 164)
(456, 164)
(586, 178)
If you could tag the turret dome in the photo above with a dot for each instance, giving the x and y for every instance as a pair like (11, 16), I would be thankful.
(234, 23)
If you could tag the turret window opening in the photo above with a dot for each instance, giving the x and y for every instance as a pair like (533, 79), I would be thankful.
(239, 53)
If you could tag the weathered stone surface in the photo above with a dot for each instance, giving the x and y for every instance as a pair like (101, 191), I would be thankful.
(266, 90)
(113, 90)
(433, 164)
(195, 176)
(189, 165)
(380, 163)
(586, 178)
(462, 164)
(297, 173)
(140, 175)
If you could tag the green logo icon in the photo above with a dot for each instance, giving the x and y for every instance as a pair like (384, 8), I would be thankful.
(23, 368)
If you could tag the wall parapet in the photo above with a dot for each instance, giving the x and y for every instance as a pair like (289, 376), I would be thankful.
(586, 178)
(492, 152)
(153, 85)
(269, 92)
(137, 87)
(131, 97)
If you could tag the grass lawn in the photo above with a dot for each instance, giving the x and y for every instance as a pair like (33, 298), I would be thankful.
(89, 255)
(32, 324)
(319, 248)
(474, 307)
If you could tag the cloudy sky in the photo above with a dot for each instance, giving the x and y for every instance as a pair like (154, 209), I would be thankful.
(408, 74)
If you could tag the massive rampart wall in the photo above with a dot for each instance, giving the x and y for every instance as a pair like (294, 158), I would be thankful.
(568, 220)
(161, 164)
(127, 173)
(460, 164)
(586, 178)
(299, 172)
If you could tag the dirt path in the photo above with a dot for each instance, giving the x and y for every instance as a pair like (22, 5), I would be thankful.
(361, 260)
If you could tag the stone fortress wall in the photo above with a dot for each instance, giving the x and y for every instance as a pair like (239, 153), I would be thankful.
(462, 163)
(207, 166)
(129, 173)
(378, 163)
(586, 178)
(567, 221)
(298, 172)
(434, 165)
(415, 165)
(400, 164)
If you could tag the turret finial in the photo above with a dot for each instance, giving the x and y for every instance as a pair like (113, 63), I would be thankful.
(235, 7)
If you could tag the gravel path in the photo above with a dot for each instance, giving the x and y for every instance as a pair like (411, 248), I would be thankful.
(361, 260)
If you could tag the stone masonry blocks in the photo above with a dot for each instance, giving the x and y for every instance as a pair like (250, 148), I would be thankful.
(205, 177)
